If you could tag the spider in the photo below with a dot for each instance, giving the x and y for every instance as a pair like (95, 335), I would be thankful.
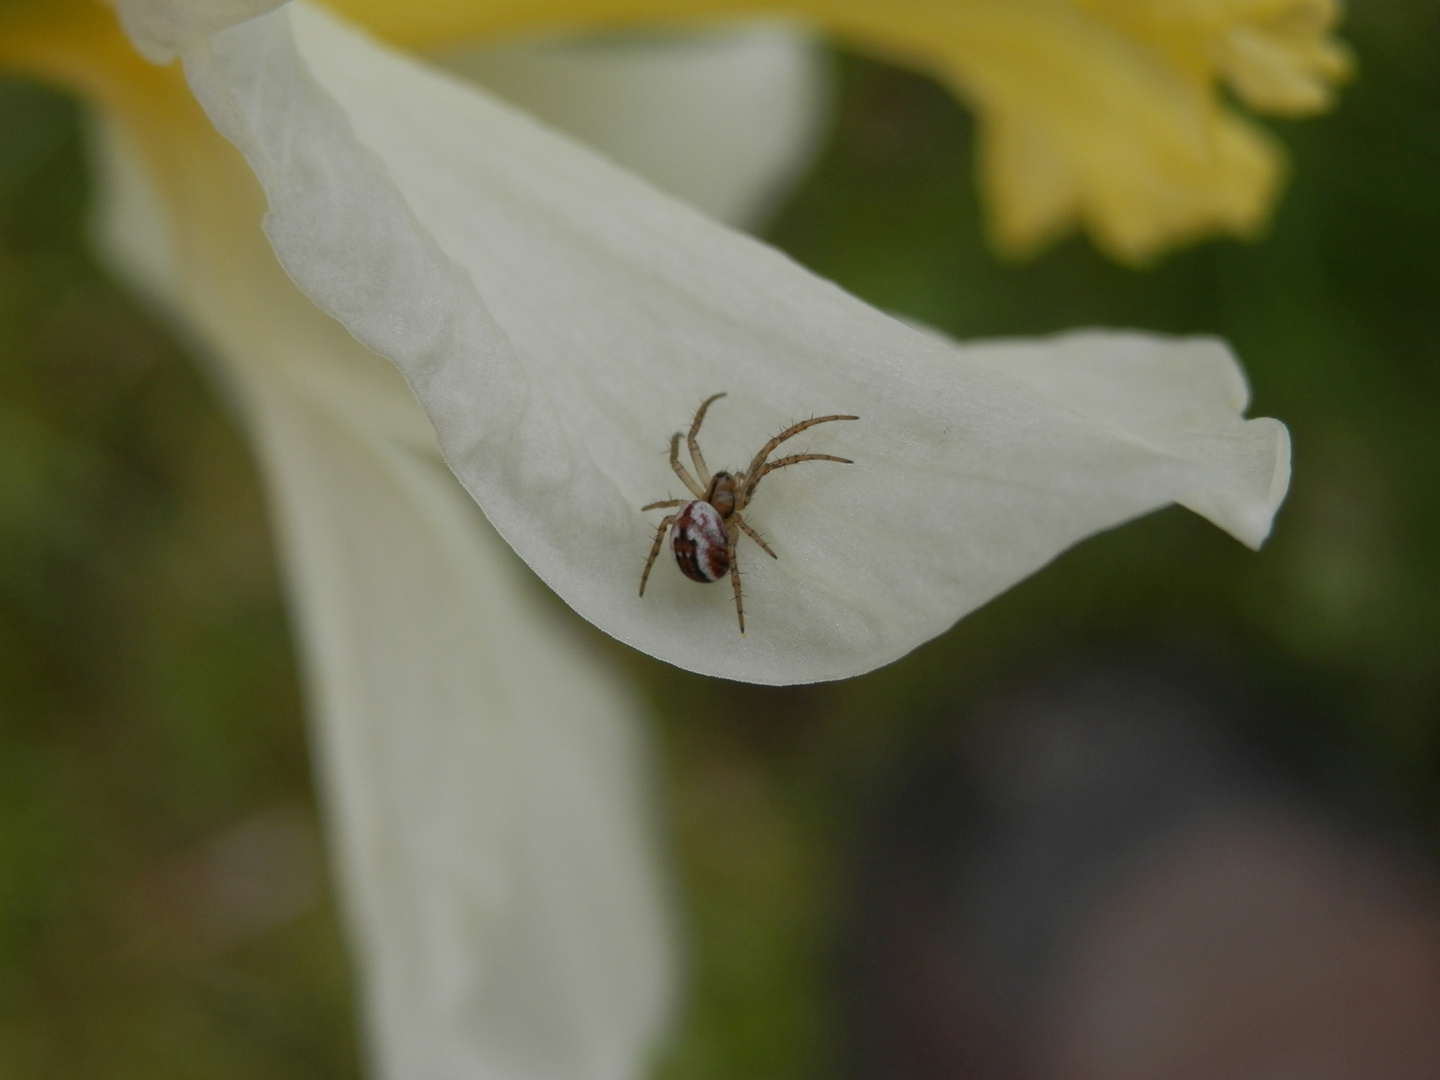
(708, 527)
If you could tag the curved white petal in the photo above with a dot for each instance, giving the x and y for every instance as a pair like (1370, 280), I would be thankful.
(485, 774)
(484, 779)
(1180, 396)
(558, 319)
(724, 120)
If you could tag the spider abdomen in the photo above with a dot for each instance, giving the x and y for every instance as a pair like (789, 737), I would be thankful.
(700, 542)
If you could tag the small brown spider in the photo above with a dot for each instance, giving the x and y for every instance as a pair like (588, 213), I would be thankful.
(708, 527)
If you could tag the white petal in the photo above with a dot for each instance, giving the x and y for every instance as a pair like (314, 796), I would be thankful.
(723, 120)
(163, 29)
(484, 779)
(1183, 397)
(558, 319)
(484, 776)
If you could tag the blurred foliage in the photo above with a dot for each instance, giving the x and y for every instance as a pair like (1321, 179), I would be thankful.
(150, 721)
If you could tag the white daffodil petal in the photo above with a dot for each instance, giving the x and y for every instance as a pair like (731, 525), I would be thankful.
(1183, 397)
(484, 780)
(726, 120)
(558, 319)
(485, 777)
(163, 29)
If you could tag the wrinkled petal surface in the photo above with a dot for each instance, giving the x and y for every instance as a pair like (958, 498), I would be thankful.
(559, 318)
(163, 29)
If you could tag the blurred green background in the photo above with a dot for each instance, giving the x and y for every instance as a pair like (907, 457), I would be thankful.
(153, 766)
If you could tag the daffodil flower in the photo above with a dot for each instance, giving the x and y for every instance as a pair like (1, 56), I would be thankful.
(557, 319)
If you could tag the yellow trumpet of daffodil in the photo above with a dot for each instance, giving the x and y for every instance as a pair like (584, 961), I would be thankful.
(1106, 113)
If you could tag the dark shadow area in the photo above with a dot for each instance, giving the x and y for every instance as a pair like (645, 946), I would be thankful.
(1120, 873)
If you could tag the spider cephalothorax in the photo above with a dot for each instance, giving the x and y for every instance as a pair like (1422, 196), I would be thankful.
(708, 527)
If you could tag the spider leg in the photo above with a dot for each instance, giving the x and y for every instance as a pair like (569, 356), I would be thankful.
(664, 504)
(752, 481)
(655, 550)
(685, 478)
(753, 535)
(695, 455)
(734, 538)
(788, 433)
